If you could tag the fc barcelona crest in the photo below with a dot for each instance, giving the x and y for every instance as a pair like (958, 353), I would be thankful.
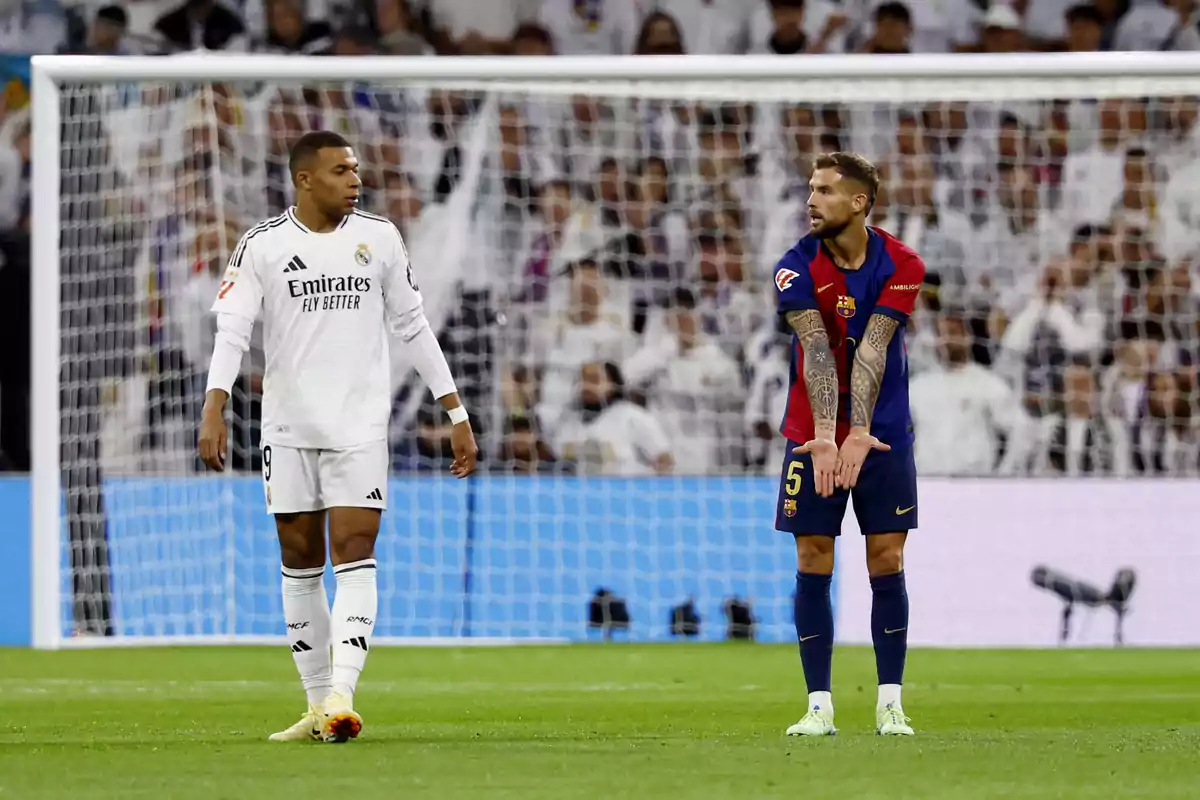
(845, 306)
(363, 255)
(789, 508)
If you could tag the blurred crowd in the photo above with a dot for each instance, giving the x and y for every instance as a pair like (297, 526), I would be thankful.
(599, 266)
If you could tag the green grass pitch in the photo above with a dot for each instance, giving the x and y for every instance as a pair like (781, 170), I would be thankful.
(600, 721)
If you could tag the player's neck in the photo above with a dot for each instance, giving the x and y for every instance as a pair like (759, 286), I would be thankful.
(316, 221)
(849, 248)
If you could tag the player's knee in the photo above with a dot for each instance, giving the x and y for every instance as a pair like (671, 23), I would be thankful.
(885, 555)
(352, 534)
(355, 546)
(301, 543)
(814, 554)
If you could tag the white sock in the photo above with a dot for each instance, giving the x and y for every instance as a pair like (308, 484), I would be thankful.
(889, 694)
(821, 700)
(306, 611)
(354, 608)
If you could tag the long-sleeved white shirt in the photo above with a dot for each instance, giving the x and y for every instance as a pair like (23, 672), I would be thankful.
(957, 415)
(329, 302)
(694, 395)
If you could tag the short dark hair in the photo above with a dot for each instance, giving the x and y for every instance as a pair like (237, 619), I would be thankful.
(309, 145)
(893, 10)
(1132, 329)
(640, 48)
(519, 423)
(1084, 12)
(828, 140)
(1084, 234)
(114, 14)
(535, 33)
(1010, 120)
(682, 299)
(720, 121)
(708, 239)
(852, 166)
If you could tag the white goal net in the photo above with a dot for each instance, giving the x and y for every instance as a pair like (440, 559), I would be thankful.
(597, 261)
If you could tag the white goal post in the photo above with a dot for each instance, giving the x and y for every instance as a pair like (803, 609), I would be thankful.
(877, 80)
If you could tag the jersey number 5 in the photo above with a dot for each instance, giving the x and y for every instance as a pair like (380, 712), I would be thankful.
(794, 478)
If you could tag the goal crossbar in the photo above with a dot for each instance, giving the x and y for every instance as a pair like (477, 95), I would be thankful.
(821, 78)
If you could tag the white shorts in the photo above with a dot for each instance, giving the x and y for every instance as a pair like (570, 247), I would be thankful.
(299, 480)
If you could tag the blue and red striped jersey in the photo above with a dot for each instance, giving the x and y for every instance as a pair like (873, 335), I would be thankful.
(887, 283)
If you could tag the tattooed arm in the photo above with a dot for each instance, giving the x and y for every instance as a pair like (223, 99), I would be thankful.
(821, 378)
(866, 375)
(820, 370)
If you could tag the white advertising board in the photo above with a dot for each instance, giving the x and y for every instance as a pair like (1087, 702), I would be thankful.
(968, 566)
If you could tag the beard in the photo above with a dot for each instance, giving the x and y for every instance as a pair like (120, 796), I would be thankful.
(830, 230)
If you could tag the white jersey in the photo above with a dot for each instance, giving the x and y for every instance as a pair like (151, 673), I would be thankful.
(328, 303)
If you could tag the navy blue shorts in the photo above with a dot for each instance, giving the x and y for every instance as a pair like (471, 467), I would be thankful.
(885, 497)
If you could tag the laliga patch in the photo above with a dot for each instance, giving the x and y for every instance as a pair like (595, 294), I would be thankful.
(784, 278)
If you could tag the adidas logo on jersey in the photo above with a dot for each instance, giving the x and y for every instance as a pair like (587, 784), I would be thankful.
(295, 265)
(375, 495)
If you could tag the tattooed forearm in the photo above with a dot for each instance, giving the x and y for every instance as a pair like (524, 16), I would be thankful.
(866, 375)
(820, 369)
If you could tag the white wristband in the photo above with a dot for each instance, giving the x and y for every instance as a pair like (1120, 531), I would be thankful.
(458, 415)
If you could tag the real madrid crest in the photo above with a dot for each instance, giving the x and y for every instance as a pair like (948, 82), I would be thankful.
(845, 306)
(363, 255)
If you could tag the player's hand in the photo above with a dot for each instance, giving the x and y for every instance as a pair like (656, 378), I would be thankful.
(213, 439)
(854, 452)
(462, 441)
(824, 454)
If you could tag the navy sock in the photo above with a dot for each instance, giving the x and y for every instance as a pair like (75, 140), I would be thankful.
(814, 628)
(889, 626)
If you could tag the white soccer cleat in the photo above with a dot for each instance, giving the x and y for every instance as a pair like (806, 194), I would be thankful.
(817, 722)
(306, 729)
(890, 721)
(341, 722)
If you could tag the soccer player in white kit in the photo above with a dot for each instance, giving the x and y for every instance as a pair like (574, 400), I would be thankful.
(333, 285)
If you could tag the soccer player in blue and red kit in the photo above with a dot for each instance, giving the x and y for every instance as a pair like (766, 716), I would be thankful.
(847, 290)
